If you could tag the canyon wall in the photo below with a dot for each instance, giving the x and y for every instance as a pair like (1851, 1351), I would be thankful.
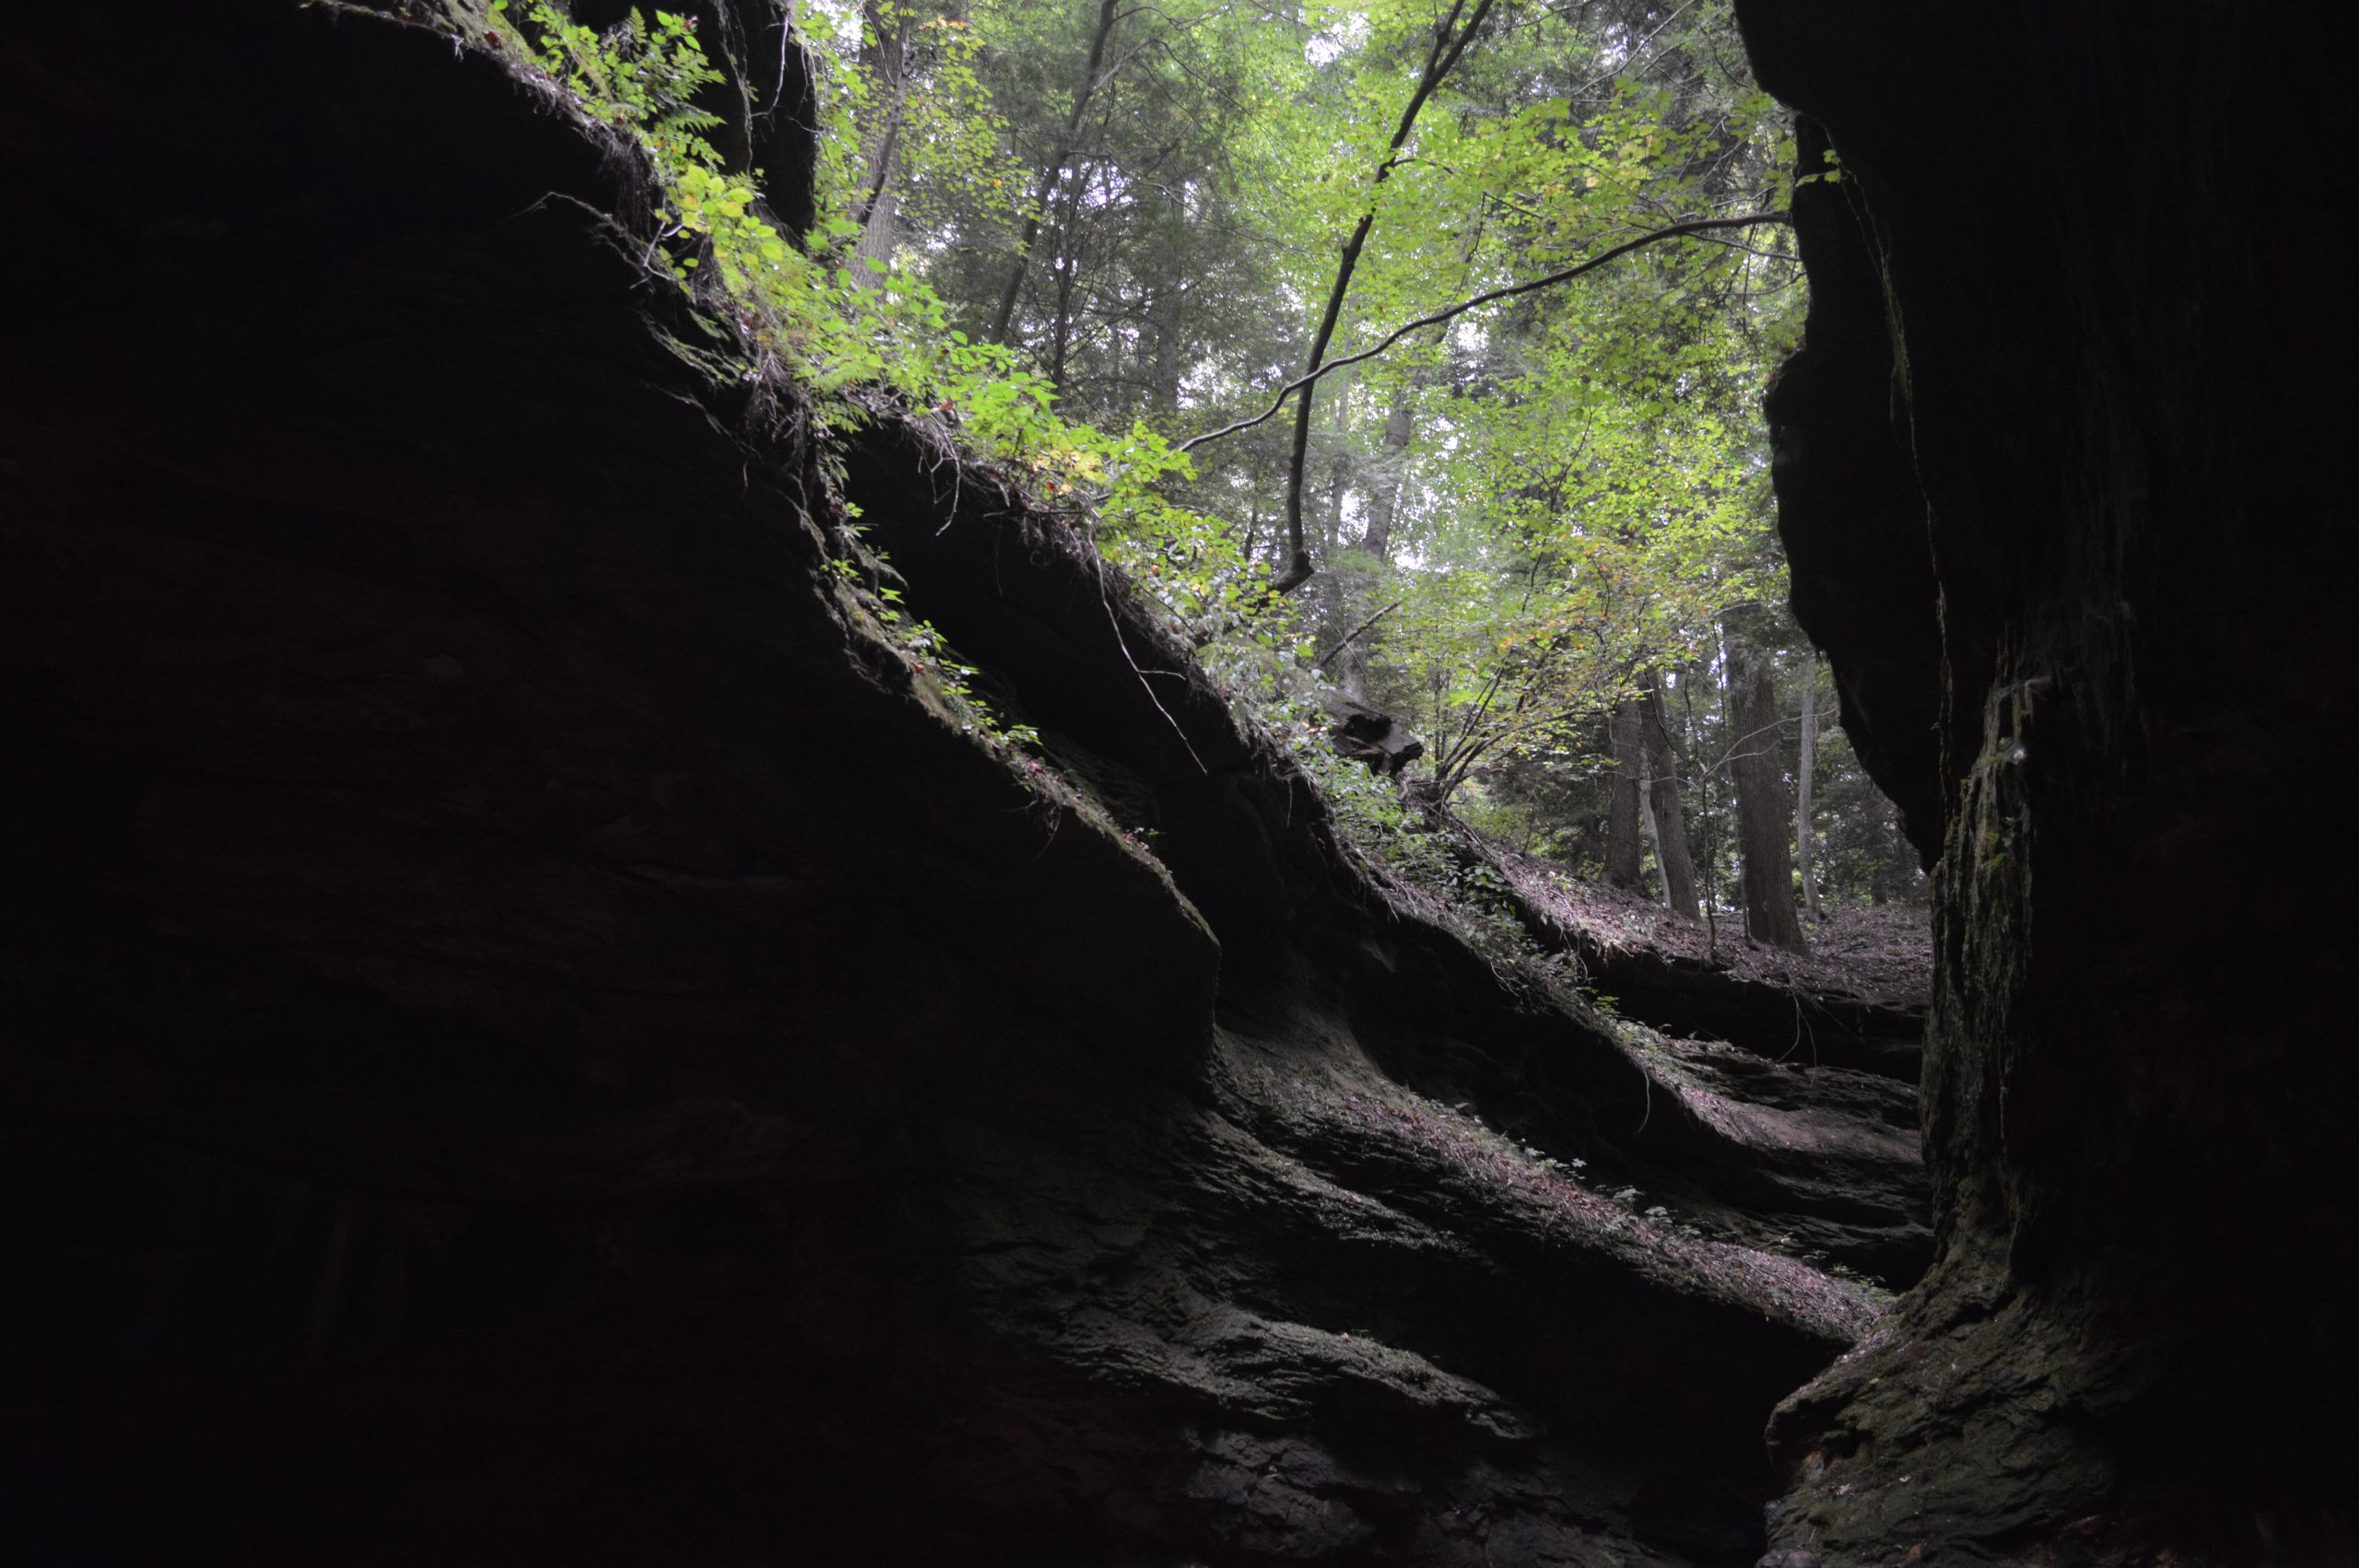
(2056, 474)
(541, 1029)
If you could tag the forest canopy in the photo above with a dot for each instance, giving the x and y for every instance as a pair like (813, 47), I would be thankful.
(1407, 354)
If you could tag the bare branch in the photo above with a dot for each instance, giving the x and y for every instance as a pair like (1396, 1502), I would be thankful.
(1355, 634)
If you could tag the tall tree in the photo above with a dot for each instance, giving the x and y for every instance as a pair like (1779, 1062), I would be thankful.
(1665, 807)
(1805, 773)
(883, 64)
(1052, 169)
(1624, 851)
(1385, 482)
(1450, 41)
(1763, 810)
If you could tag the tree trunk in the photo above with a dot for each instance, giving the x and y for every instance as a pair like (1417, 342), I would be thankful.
(1450, 41)
(1763, 813)
(884, 56)
(1384, 491)
(1653, 821)
(1623, 851)
(1061, 330)
(1803, 772)
(1066, 268)
(1168, 360)
(1688, 677)
(1107, 14)
(1383, 495)
(1664, 808)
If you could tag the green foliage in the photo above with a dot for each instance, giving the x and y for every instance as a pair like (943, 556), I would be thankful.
(802, 310)
(641, 78)
(1541, 504)
(928, 91)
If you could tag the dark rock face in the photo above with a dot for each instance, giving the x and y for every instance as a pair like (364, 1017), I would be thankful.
(1374, 738)
(534, 1037)
(2058, 473)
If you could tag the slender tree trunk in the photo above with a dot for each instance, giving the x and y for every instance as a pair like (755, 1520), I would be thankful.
(1623, 849)
(1054, 170)
(1763, 813)
(884, 56)
(1163, 312)
(1066, 268)
(1339, 429)
(1653, 819)
(1664, 808)
(1335, 601)
(1384, 491)
(1061, 334)
(1449, 42)
(879, 236)
(1687, 680)
(1807, 765)
(1383, 495)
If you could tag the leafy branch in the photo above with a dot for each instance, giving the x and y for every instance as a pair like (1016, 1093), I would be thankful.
(1448, 47)
(1451, 312)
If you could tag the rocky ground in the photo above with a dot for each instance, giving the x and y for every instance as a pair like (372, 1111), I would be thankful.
(1877, 953)
(1858, 999)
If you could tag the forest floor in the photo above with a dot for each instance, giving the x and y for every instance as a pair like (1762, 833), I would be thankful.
(1877, 953)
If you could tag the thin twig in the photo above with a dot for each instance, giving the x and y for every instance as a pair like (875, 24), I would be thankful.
(1354, 635)
(1106, 599)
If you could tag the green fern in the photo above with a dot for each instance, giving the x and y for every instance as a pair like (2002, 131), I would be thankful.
(640, 77)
